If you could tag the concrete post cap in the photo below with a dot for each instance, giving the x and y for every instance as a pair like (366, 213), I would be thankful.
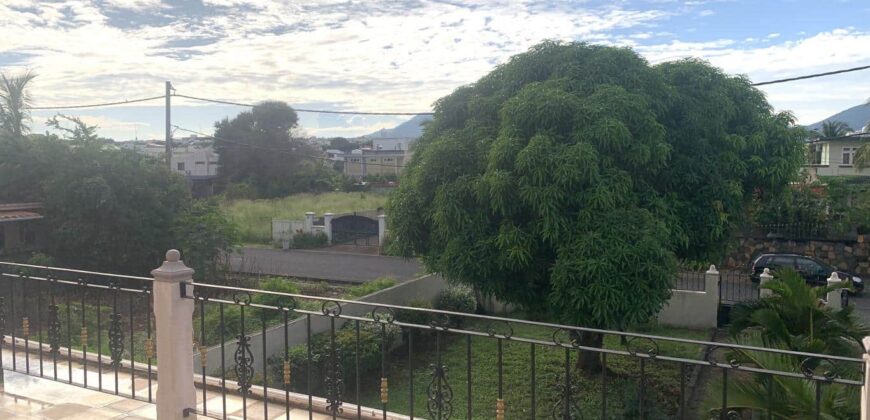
(767, 273)
(309, 213)
(172, 269)
(382, 216)
(328, 214)
(712, 269)
(866, 342)
(835, 278)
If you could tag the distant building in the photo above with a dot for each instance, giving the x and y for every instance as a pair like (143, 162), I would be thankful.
(361, 163)
(192, 157)
(836, 156)
(19, 228)
(392, 144)
(335, 155)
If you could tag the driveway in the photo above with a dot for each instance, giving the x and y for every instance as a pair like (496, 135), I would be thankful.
(862, 306)
(324, 265)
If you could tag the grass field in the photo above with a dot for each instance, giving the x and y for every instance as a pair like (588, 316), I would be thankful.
(662, 378)
(254, 217)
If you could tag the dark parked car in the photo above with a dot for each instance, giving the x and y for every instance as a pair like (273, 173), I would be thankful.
(814, 271)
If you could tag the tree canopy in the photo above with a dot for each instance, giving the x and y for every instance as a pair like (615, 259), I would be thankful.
(571, 179)
(256, 148)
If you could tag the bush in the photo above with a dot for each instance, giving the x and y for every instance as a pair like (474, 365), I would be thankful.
(415, 317)
(370, 341)
(309, 240)
(240, 191)
(364, 289)
(457, 299)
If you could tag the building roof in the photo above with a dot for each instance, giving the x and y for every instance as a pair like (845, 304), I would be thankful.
(18, 216)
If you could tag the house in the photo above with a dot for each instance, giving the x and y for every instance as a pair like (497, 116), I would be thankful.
(836, 156)
(361, 163)
(19, 227)
(193, 157)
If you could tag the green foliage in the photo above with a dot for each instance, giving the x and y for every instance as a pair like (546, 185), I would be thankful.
(375, 285)
(457, 299)
(204, 237)
(256, 148)
(804, 204)
(833, 129)
(415, 317)
(371, 339)
(254, 217)
(239, 191)
(15, 103)
(793, 318)
(569, 180)
(305, 240)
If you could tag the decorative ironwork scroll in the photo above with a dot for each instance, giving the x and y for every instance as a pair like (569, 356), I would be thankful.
(440, 404)
(116, 339)
(54, 329)
(244, 367)
(334, 382)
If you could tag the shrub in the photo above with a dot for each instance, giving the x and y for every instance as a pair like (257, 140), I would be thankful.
(364, 289)
(415, 317)
(370, 341)
(240, 191)
(309, 240)
(457, 299)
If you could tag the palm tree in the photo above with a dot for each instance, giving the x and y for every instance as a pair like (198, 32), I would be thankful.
(15, 103)
(792, 317)
(832, 129)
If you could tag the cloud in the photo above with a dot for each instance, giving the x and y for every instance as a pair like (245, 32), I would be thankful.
(331, 51)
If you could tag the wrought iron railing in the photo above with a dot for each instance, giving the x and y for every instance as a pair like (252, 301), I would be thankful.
(83, 328)
(450, 394)
(280, 352)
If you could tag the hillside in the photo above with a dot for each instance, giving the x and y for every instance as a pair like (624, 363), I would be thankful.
(412, 128)
(856, 117)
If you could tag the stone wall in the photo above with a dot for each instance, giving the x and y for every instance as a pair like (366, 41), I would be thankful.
(850, 256)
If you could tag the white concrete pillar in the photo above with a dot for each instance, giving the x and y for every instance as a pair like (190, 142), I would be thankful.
(865, 390)
(835, 297)
(309, 221)
(765, 277)
(382, 228)
(174, 325)
(711, 281)
(327, 226)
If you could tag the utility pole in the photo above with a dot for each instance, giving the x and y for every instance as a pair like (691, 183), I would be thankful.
(168, 126)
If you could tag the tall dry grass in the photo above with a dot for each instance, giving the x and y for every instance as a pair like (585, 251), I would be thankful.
(254, 217)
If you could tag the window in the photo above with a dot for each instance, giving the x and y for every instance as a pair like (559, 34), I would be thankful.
(373, 160)
(781, 262)
(849, 155)
(388, 159)
(817, 154)
(212, 162)
(179, 166)
(808, 266)
(200, 162)
(355, 160)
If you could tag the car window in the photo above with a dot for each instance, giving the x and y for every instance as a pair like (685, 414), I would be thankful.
(781, 262)
(807, 265)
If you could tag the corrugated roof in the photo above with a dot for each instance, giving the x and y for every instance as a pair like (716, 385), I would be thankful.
(18, 215)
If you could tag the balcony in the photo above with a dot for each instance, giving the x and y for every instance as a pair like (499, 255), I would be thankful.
(81, 344)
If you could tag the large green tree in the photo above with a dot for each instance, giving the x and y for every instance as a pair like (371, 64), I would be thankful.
(570, 179)
(256, 148)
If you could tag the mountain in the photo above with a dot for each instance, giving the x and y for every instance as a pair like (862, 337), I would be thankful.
(412, 129)
(856, 117)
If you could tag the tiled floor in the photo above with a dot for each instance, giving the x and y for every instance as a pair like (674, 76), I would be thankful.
(25, 396)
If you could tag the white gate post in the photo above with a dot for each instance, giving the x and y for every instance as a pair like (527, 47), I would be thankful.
(765, 277)
(865, 390)
(382, 228)
(835, 297)
(174, 323)
(327, 226)
(711, 282)
(309, 221)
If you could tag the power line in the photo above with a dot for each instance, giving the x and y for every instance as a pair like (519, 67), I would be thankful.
(130, 101)
(288, 152)
(315, 111)
(811, 76)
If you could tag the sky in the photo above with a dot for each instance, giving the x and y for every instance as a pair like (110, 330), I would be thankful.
(396, 55)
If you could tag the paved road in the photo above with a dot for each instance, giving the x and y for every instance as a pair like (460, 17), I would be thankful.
(324, 265)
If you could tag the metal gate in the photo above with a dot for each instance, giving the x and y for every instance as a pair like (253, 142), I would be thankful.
(354, 229)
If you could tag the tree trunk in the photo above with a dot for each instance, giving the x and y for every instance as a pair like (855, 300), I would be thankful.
(589, 362)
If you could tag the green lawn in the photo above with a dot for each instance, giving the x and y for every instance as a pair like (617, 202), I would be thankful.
(662, 378)
(254, 217)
